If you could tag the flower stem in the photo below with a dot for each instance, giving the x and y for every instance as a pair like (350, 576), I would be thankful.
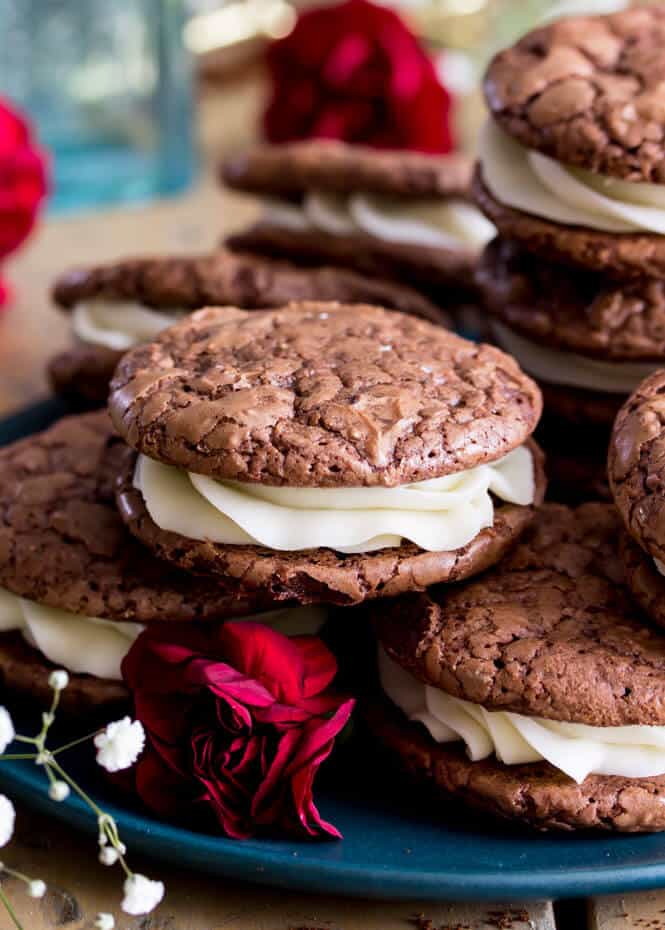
(72, 784)
(10, 910)
(13, 756)
(75, 742)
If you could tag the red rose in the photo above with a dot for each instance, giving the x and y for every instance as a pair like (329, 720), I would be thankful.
(22, 182)
(237, 718)
(355, 72)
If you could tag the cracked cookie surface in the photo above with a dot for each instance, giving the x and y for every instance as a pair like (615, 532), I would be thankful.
(588, 91)
(330, 165)
(549, 632)
(572, 309)
(636, 464)
(240, 279)
(63, 544)
(320, 395)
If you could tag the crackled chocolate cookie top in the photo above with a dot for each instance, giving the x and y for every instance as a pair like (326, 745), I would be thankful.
(237, 278)
(288, 170)
(636, 464)
(63, 544)
(573, 309)
(320, 395)
(646, 583)
(588, 91)
(549, 632)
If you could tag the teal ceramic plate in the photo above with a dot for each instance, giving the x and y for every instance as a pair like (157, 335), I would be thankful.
(392, 848)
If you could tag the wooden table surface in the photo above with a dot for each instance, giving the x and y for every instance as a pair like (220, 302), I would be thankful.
(32, 330)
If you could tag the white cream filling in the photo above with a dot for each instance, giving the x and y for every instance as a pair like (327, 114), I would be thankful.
(573, 748)
(119, 325)
(442, 223)
(570, 369)
(441, 514)
(85, 645)
(660, 566)
(91, 646)
(536, 184)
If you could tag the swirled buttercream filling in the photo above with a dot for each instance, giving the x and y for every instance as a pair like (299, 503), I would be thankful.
(568, 368)
(576, 749)
(92, 646)
(439, 223)
(535, 184)
(441, 514)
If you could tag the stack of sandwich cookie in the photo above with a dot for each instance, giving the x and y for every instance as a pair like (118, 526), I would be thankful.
(572, 161)
(325, 453)
(572, 172)
(114, 307)
(75, 588)
(399, 215)
(588, 340)
(536, 691)
(636, 468)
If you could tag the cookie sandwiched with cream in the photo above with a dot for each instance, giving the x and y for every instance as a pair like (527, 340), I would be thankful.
(116, 306)
(586, 339)
(325, 452)
(76, 589)
(572, 157)
(535, 692)
(400, 215)
(636, 473)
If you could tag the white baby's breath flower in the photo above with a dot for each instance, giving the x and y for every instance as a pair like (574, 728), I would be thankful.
(58, 680)
(120, 744)
(37, 888)
(108, 855)
(142, 895)
(7, 818)
(105, 922)
(59, 791)
(7, 732)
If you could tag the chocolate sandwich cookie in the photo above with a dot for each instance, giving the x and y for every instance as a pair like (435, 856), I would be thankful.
(325, 452)
(588, 341)
(572, 158)
(535, 692)
(116, 306)
(637, 480)
(400, 215)
(75, 587)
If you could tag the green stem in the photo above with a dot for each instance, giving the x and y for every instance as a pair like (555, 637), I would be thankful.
(14, 874)
(76, 742)
(13, 756)
(72, 784)
(10, 910)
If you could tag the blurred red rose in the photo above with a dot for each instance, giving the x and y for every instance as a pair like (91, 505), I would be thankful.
(22, 181)
(238, 718)
(354, 71)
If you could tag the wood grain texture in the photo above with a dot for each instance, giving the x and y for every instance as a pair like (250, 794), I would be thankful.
(643, 911)
(79, 888)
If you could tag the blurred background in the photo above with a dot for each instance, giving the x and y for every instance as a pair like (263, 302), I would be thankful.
(135, 99)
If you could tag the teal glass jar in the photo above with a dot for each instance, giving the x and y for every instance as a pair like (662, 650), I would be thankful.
(108, 86)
